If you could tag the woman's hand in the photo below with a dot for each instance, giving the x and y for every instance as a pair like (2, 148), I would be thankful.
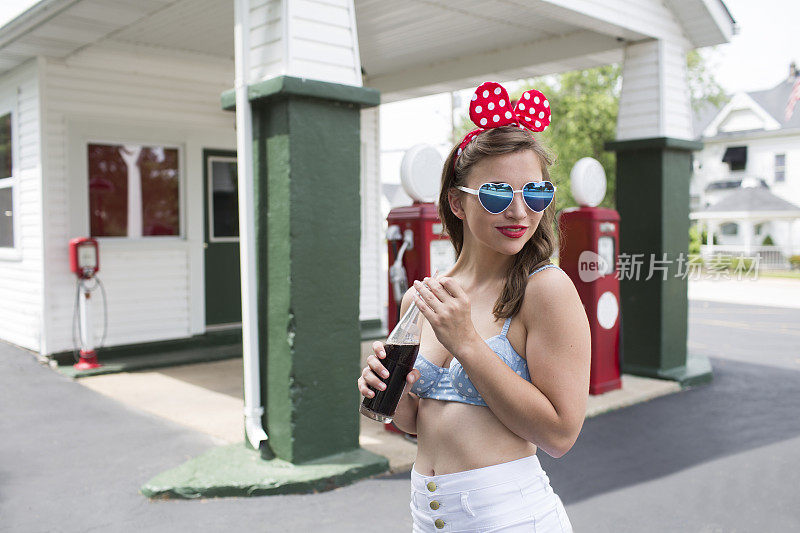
(374, 375)
(446, 307)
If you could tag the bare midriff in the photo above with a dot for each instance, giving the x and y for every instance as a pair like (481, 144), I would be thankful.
(455, 436)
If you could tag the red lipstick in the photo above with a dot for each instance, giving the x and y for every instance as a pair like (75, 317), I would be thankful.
(514, 232)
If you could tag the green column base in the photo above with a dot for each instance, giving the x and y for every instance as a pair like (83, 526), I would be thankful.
(235, 470)
(696, 371)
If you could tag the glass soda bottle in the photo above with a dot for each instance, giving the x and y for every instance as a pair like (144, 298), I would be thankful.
(401, 349)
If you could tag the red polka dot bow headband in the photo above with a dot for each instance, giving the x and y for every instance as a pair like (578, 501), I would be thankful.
(491, 108)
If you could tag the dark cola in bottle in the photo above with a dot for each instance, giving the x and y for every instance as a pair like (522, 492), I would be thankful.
(401, 349)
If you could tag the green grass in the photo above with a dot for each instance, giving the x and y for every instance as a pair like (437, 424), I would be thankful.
(793, 274)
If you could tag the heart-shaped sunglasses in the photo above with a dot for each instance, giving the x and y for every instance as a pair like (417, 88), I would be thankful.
(496, 197)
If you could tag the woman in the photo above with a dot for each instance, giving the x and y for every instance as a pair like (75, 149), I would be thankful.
(482, 403)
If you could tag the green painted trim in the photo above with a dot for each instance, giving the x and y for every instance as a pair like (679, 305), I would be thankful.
(653, 143)
(160, 360)
(372, 330)
(211, 339)
(235, 470)
(284, 86)
(696, 371)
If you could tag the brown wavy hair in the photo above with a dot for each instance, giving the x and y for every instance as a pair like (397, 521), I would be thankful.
(539, 248)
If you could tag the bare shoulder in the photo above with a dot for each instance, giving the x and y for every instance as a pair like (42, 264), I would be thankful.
(548, 290)
(555, 318)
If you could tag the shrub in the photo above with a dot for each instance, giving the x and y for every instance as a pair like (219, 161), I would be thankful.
(694, 240)
(767, 241)
(730, 262)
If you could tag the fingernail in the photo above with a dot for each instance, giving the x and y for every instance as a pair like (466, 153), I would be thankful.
(382, 386)
(383, 354)
(385, 373)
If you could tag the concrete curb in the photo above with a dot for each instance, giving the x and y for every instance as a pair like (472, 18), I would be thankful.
(235, 470)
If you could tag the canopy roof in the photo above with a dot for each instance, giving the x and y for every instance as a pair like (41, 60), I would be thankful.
(407, 49)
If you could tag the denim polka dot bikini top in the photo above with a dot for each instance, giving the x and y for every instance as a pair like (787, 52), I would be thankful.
(452, 383)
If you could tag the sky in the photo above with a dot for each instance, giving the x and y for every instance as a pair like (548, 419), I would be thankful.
(757, 58)
(11, 8)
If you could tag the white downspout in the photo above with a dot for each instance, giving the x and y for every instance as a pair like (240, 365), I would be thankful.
(253, 407)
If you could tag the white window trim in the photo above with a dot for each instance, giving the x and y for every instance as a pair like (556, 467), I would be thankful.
(81, 135)
(14, 252)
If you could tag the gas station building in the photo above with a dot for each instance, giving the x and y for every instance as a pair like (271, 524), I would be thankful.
(100, 94)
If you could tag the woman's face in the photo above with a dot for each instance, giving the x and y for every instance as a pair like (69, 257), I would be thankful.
(505, 232)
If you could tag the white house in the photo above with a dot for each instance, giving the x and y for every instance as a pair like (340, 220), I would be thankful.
(746, 181)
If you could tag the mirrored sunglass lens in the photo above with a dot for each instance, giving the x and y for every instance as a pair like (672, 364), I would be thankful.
(538, 195)
(495, 197)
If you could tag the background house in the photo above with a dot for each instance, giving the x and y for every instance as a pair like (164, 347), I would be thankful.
(745, 188)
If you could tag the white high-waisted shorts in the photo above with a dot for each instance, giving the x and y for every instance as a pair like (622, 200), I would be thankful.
(508, 497)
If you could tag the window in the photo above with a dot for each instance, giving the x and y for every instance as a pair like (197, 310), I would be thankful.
(736, 157)
(224, 199)
(134, 190)
(6, 184)
(729, 228)
(780, 167)
(722, 185)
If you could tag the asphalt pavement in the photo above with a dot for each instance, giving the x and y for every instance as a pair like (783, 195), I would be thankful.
(721, 457)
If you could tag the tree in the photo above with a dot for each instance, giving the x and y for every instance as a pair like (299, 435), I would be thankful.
(703, 87)
(585, 105)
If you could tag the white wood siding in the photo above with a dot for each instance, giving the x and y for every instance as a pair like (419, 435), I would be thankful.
(655, 98)
(646, 17)
(677, 107)
(304, 38)
(21, 268)
(119, 92)
(373, 277)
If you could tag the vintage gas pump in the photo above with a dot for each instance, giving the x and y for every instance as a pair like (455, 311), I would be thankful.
(84, 263)
(589, 238)
(417, 247)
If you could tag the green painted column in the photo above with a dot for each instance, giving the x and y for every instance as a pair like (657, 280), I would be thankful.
(307, 142)
(652, 197)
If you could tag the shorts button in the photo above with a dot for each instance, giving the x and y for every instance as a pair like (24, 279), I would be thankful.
(434, 505)
(439, 523)
(431, 486)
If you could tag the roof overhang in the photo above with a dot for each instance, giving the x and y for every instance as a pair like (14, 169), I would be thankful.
(407, 49)
(740, 101)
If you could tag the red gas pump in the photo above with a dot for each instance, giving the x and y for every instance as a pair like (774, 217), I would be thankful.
(417, 246)
(589, 238)
(84, 263)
